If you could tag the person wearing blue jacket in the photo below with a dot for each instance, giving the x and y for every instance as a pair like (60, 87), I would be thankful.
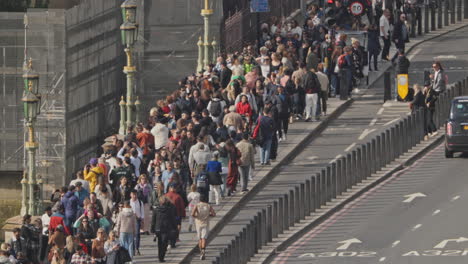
(71, 203)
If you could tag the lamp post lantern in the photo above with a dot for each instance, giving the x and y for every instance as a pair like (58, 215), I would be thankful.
(129, 34)
(206, 13)
(31, 107)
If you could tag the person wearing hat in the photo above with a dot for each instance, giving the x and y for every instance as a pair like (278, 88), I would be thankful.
(92, 172)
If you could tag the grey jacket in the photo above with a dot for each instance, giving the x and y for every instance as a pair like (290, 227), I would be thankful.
(438, 84)
(126, 222)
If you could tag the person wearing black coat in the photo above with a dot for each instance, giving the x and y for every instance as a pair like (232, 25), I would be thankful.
(419, 104)
(164, 225)
(225, 75)
(373, 45)
(402, 63)
(400, 35)
(283, 103)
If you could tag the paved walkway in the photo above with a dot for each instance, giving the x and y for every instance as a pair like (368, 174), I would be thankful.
(298, 134)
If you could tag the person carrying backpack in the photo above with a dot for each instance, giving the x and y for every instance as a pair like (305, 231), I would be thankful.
(143, 189)
(215, 107)
(201, 181)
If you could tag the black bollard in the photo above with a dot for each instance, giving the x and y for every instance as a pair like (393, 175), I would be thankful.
(387, 86)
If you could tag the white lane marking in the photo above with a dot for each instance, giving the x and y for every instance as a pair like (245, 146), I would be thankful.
(410, 57)
(312, 158)
(348, 243)
(436, 212)
(413, 196)
(391, 121)
(336, 158)
(350, 147)
(455, 198)
(380, 111)
(382, 259)
(416, 226)
(395, 243)
(373, 122)
(440, 57)
(365, 133)
(444, 242)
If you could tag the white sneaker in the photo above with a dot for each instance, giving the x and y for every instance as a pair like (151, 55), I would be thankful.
(284, 137)
(435, 133)
(280, 139)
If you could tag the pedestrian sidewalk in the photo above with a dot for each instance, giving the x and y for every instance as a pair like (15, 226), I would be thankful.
(299, 134)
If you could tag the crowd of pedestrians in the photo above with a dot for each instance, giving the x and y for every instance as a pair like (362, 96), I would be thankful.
(199, 143)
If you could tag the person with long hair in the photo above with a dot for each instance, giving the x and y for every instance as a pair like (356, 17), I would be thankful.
(233, 166)
(143, 188)
(98, 253)
(111, 246)
(335, 78)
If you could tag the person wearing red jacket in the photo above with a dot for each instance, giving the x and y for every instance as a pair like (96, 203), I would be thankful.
(179, 204)
(244, 108)
(57, 219)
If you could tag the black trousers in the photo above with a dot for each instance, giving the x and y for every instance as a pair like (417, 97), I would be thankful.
(163, 241)
(283, 125)
(386, 48)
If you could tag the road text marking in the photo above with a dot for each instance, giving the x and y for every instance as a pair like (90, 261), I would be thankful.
(436, 212)
(444, 243)
(395, 243)
(365, 133)
(380, 111)
(347, 243)
(416, 226)
(413, 196)
(382, 259)
(455, 198)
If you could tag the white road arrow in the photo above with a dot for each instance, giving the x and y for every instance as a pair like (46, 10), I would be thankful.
(413, 196)
(348, 243)
(444, 242)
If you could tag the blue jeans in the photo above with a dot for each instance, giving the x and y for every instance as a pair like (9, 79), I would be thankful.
(126, 241)
(137, 237)
(265, 153)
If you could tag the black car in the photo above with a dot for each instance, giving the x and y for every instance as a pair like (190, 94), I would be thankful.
(456, 128)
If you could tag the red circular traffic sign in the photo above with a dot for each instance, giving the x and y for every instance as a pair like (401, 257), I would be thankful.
(356, 8)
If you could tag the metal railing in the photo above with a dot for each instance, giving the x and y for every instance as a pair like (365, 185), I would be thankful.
(336, 178)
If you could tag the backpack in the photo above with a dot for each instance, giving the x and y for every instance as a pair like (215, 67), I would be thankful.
(141, 196)
(342, 61)
(202, 181)
(215, 108)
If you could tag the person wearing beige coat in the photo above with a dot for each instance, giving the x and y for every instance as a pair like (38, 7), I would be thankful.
(247, 160)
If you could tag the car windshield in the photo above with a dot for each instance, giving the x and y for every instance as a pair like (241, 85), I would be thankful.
(460, 109)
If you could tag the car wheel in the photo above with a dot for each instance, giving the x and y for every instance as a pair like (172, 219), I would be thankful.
(448, 154)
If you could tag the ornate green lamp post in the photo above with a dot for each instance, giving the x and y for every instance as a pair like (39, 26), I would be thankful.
(31, 107)
(129, 32)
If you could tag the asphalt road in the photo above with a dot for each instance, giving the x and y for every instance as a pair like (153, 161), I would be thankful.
(381, 227)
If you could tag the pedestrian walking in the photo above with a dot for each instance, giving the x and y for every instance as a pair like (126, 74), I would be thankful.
(138, 208)
(233, 167)
(324, 88)
(126, 227)
(400, 35)
(179, 204)
(193, 198)
(214, 169)
(202, 181)
(202, 213)
(373, 46)
(312, 87)
(247, 161)
(98, 253)
(164, 225)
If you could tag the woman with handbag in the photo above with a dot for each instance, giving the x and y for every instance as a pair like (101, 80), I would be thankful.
(202, 213)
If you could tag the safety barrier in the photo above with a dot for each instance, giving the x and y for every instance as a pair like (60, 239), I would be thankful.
(336, 178)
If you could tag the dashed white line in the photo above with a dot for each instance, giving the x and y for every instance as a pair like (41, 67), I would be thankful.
(373, 122)
(389, 122)
(382, 259)
(350, 147)
(365, 133)
(337, 157)
(456, 198)
(416, 226)
(395, 243)
(436, 212)
(380, 111)
(410, 57)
